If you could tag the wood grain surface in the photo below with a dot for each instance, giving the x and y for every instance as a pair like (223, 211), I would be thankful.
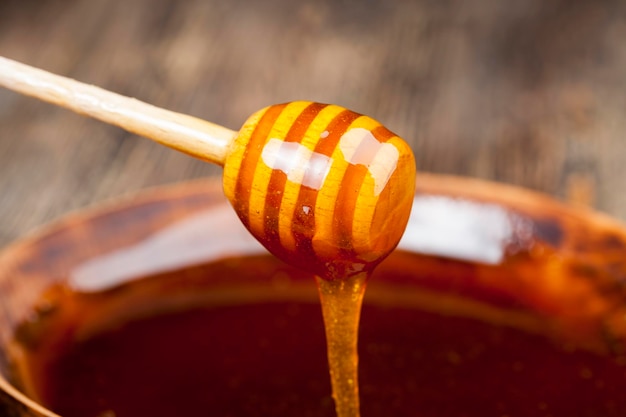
(530, 93)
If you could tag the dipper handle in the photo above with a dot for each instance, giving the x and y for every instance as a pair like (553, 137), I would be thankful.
(196, 137)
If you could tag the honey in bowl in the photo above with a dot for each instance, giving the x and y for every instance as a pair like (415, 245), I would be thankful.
(485, 310)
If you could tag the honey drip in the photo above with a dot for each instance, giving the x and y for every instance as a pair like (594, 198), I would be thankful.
(329, 191)
(341, 301)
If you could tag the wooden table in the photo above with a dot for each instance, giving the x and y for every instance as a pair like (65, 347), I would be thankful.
(531, 93)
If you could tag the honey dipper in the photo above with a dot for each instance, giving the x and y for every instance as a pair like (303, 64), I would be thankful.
(320, 186)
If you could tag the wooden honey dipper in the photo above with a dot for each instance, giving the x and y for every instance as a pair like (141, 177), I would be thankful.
(321, 187)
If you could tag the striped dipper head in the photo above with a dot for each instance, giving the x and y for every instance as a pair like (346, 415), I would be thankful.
(321, 187)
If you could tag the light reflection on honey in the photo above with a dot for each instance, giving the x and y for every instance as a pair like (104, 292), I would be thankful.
(358, 147)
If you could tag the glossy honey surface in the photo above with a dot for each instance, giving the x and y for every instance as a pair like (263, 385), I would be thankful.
(252, 344)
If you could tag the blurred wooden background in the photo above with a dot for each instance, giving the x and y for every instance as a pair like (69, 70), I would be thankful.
(531, 93)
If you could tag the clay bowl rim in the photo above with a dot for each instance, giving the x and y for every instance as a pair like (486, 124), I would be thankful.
(501, 194)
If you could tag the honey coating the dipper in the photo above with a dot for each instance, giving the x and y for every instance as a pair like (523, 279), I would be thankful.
(321, 187)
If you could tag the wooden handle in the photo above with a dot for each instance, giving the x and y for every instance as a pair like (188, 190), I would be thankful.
(193, 136)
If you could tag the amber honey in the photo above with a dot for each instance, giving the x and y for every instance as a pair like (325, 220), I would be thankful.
(245, 337)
